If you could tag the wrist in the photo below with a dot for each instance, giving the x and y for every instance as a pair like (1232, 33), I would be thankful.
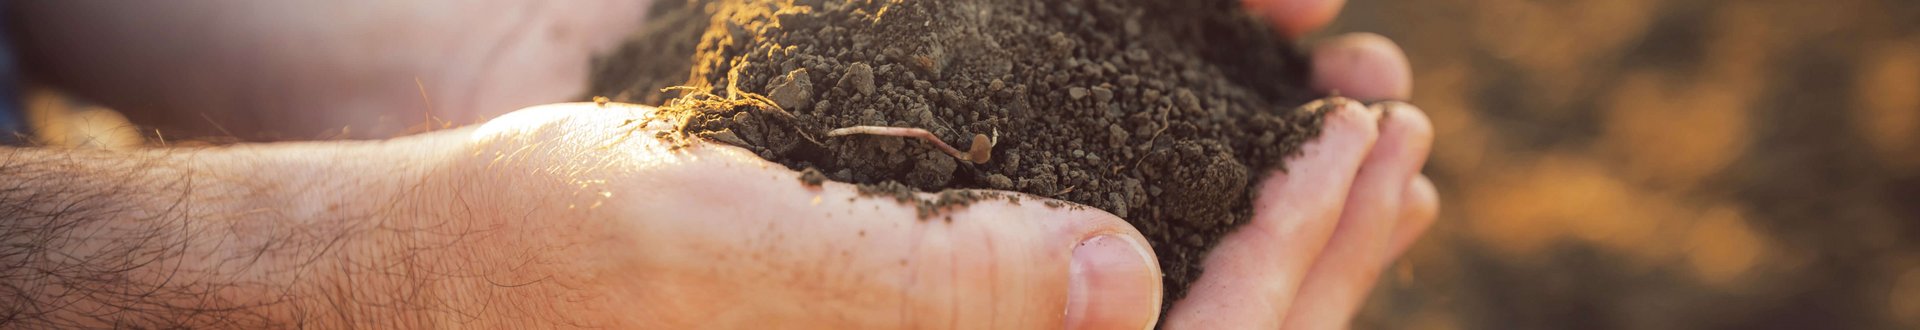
(344, 233)
(426, 230)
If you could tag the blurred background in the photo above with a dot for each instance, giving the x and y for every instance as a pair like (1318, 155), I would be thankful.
(1622, 164)
(1644, 164)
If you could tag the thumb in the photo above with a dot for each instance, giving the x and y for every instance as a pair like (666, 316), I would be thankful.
(1066, 267)
(1113, 283)
(1003, 264)
(994, 264)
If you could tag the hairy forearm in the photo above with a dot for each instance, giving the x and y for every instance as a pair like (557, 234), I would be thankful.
(227, 237)
(98, 239)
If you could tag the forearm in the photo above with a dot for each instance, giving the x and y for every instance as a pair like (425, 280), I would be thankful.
(248, 237)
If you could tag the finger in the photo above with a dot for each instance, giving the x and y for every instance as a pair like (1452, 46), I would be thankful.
(1295, 18)
(776, 250)
(1363, 66)
(1355, 255)
(1252, 274)
(1422, 205)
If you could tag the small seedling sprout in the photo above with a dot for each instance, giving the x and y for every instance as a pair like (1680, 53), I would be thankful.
(978, 153)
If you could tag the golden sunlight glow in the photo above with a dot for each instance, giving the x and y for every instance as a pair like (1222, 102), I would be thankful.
(587, 133)
(529, 119)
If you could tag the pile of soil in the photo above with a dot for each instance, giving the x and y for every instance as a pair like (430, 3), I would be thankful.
(1164, 112)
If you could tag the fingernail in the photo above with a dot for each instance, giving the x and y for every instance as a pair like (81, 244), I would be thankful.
(1114, 284)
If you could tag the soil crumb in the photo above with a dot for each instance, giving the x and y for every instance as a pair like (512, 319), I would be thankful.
(812, 177)
(1164, 112)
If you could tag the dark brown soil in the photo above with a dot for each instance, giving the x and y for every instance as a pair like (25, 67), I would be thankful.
(1164, 112)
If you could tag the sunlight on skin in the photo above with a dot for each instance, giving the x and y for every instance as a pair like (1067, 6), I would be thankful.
(566, 126)
(738, 240)
(637, 125)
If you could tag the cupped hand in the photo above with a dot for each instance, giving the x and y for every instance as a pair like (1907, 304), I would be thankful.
(1347, 207)
(301, 70)
(640, 232)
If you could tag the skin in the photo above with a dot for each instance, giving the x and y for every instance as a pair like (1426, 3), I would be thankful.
(294, 71)
(564, 218)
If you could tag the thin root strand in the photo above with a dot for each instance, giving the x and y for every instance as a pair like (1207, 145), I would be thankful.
(978, 153)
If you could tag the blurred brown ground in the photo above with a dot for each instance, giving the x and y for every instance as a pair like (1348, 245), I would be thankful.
(1642, 164)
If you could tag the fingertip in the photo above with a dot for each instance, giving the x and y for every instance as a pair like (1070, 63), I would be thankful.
(1113, 276)
(1423, 200)
(1421, 209)
(1405, 119)
(1296, 18)
(1348, 132)
(1362, 65)
(1074, 267)
(1405, 130)
(1350, 120)
(1113, 283)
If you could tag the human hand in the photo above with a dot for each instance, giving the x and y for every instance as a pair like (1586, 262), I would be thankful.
(670, 235)
(565, 215)
(615, 227)
(304, 70)
(1246, 284)
(1346, 208)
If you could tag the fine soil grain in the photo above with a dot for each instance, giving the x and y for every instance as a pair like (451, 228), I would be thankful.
(1164, 112)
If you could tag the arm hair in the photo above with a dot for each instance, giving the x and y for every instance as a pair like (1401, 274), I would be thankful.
(210, 238)
(100, 239)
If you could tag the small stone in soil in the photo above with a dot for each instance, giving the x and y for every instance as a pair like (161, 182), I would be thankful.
(793, 91)
(859, 76)
(999, 181)
(812, 177)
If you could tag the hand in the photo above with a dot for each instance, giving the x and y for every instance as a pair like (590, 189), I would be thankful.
(305, 70)
(565, 215)
(617, 228)
(572, 231)
(1322, 232)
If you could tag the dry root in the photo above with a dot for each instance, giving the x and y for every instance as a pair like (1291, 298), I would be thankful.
(978, 153)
